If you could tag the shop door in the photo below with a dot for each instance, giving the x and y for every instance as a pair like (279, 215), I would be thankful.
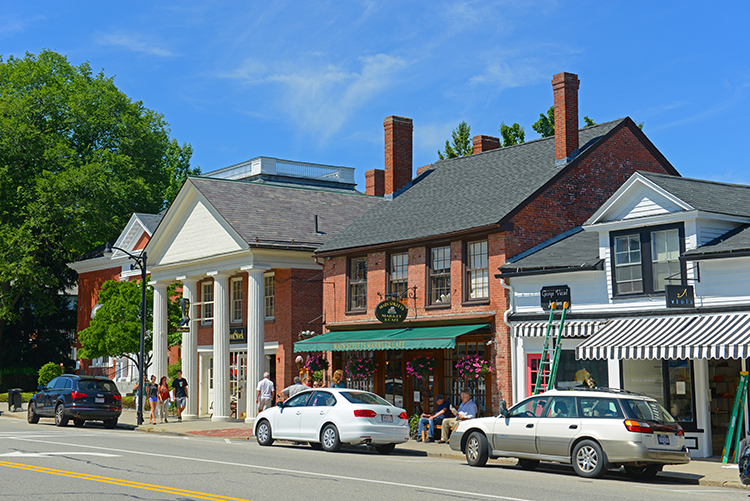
(238, 381)
(394, 377)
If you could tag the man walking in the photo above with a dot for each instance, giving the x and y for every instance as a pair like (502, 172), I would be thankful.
(264, 393)
(179, 385)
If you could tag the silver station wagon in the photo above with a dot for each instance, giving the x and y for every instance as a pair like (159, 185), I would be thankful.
(594, 429)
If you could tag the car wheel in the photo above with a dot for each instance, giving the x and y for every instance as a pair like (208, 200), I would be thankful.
(316, 446)
(110, 424)
(263, 433)
(589, 460)
(78, 422)
(330, 439)
(31, 416)
(60, 419)
(528, 464)
(385, 449)
(646, 472)
(476, 449)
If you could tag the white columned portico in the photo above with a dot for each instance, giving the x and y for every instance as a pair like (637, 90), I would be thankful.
(159, 333)
(255, 336)
(221, 347)
(190, 349)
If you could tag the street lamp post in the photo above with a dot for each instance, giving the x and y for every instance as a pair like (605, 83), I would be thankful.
(140, 261)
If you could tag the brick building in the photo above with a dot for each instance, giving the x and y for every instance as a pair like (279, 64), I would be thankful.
(436, 242)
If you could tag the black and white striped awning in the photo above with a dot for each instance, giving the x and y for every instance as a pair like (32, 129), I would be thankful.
(688, 336)
(571, 328)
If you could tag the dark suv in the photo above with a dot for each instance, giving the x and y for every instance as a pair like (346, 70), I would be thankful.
(81, 398)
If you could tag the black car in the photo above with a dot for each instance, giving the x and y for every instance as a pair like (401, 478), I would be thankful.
(81, 398)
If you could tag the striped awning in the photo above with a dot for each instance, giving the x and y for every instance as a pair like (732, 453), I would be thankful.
(570, 329)
(686, 336)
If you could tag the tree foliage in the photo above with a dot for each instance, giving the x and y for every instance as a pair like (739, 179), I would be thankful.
(461, 143)
(48, 372)
(545, 126)
(512, 134)
(177, 160)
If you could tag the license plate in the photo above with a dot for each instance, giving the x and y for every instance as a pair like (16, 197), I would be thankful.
(387, 418)
(663, 439)
(99, 400)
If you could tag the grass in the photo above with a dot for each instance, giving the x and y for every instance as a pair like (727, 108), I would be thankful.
(25, 397)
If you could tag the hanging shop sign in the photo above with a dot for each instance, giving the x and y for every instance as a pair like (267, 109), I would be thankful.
(555, 294)
(238, 335)
(680, 296)
(391, 311)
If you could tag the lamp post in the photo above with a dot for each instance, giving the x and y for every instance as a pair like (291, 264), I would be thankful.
(140, 261)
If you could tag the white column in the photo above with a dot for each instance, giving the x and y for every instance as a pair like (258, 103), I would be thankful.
(190, 350)
(221, 348)
(255, 338)
(159, 362)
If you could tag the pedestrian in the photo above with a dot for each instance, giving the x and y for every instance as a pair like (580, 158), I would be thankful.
(163, 399)
(338, 379)
(317, 384)
(264, 392)
(467, 410)
(293, 389)
(307, 381)
(179, 385)
(153, 397)
(442, 411)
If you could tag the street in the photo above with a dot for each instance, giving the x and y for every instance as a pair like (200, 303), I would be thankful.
(45, 462)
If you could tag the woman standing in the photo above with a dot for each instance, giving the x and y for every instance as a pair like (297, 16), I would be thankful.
(163, 399)
(153, 396)
(338, 379)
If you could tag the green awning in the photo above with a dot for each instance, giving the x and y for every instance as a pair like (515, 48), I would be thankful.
(414, 338)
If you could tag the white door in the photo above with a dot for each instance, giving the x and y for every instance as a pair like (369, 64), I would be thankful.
(517, 431)
(314, 414)
(287, 422)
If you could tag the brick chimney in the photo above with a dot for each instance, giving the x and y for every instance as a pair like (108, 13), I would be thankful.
(375, 182)
(485, 143)
(398, 153)
(565, 87)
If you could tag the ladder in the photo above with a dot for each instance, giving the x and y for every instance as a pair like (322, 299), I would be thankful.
(547, 369)
(735, 422)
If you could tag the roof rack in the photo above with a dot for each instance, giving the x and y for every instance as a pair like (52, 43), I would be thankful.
(603, 389)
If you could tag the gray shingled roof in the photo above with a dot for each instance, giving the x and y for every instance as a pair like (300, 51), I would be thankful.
(580, 249)
(737, 240)
(709, 196)
(272, 215)
(151, 221)
(463, 193)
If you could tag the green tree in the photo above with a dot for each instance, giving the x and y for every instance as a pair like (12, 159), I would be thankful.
(512, 134)
(77, 158)
(48, 372)
(177, 159)
(461, 146)
(588, 122)
(545, 126)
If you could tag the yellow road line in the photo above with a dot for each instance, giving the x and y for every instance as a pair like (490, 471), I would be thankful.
(121, 482)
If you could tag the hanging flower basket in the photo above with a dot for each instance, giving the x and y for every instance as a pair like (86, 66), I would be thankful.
(362, 368)
(473, 367)
(420, 367)
(316, 362)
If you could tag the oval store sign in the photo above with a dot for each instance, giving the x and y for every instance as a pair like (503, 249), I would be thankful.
(391, 312)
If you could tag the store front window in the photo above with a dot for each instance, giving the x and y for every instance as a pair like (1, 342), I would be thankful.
(394, 377)
(668, 381)
(455, 384)
(570, 372)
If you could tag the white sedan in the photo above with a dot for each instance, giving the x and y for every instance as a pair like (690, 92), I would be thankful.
(328, 417)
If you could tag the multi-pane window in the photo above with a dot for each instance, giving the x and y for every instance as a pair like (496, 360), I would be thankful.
(236, 300)
(399, 274)
(358, 283)
(647, 260)
(440, 275)
(628, 272)
(477, 270)
(207, 298)
(665, 257)
(269, 296)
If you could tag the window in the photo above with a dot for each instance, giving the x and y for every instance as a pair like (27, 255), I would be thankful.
(236, 300)
(530, 408)
(399, 274)
(477, 271)
(269, 296)
(454, 384)
(562, 407)
(358, 283)
(570, 372)
(207, 298)
(599, 408)
(440, 275)
(644, 262)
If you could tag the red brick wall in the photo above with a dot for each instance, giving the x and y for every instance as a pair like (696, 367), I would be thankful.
(398, 152)
(485, 143)
(565, 88)
(375, 182)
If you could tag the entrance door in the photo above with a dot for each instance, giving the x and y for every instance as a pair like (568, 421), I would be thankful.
(394, 377)
(238, 381)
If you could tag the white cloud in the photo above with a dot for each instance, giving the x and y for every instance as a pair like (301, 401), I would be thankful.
(135, 42)
(13, 25)
(503, 75)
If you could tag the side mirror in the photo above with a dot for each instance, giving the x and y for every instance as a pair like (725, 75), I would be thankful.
(503, 408)
(40, 387)
(280, 405)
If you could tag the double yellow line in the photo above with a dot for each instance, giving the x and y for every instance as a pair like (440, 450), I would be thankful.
(120, 482)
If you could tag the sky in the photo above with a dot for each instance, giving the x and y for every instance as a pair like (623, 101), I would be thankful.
(312, 81)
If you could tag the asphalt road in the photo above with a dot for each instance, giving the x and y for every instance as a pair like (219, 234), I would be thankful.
(45, 462)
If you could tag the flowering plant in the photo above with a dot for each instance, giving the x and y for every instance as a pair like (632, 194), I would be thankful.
(358, 367)
(420, 367)
(316, 362)
(473, 366)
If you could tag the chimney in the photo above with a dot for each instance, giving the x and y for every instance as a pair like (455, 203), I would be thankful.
(565, 87)
(398, 150)
(375, 182)
(485, 143)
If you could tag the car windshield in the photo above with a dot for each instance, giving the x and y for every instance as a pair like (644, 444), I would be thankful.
(97, 385)
(361, 397)
(648, 410)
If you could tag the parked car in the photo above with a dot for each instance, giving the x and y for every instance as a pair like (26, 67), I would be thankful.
(326, 418)
(80, 398)
(594, 429)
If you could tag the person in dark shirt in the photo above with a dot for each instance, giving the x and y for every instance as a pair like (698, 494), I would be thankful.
(441, 411)
(179, 385)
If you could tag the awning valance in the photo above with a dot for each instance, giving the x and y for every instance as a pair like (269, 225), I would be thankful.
(412, 338)
(571, 329)
(684, 336)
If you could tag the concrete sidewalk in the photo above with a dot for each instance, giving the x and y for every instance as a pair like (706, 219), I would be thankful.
(707, 472)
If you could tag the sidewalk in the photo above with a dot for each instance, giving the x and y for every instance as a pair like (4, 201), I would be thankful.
(702, 471)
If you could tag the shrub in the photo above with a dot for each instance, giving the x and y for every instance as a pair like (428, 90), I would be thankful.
(172, 370)
(48, 372)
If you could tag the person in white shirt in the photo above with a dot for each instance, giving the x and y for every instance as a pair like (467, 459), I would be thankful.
(264, 393)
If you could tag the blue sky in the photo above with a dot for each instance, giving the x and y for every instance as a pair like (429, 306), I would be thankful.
(313, 81)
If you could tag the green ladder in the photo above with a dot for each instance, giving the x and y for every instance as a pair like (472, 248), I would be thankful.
(548, 364)
(735, 422)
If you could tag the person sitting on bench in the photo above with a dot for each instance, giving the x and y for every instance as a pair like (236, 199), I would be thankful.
(442, 411)
(467, 410)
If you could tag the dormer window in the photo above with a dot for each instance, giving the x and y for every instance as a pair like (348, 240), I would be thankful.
(645, 261)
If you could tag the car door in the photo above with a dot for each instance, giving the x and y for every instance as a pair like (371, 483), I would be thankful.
(287, 422)
(314, 414)
(516, 433)
(558, 427)
(47, 400)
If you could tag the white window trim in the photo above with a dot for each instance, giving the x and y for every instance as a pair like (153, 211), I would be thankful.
(265, 276)
(232, 289)
(207, 320)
